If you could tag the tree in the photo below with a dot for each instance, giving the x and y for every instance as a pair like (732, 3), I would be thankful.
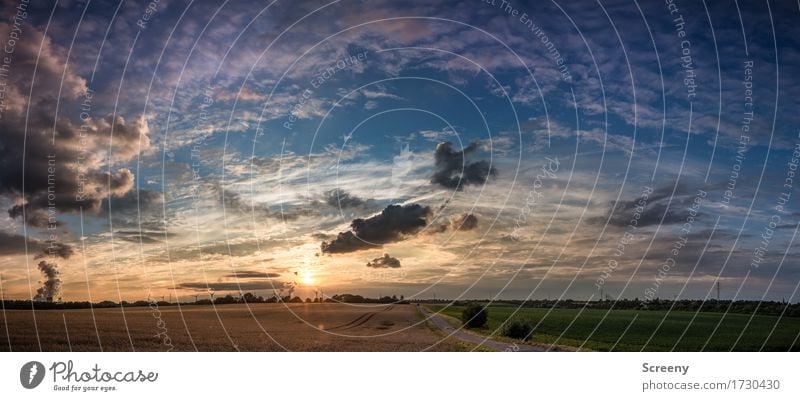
(519, 329)
(474, 315)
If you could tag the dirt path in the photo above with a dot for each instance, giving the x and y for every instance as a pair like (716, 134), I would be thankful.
(467, 336)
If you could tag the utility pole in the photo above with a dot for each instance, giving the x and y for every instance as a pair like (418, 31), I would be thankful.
(718, 298)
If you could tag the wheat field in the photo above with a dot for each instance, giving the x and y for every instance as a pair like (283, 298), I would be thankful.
(253, 327)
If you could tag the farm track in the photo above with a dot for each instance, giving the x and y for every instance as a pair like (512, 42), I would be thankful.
(470, 337)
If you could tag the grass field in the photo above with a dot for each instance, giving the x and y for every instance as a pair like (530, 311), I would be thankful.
(256, 327)
(561, 327)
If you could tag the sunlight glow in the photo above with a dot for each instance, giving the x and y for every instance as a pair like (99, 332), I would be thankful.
(307, 278)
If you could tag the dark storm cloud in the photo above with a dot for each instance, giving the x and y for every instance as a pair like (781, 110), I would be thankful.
(384, 261)
(236, 286)
(393, 224)
(60, 161)
(340, 198)
(57, 175)
(252, 274)
(454, 171)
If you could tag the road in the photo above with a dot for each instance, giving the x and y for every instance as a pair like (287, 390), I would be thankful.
(470, 337)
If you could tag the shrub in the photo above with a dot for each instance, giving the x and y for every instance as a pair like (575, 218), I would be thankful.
(474, 315)
(519, 329)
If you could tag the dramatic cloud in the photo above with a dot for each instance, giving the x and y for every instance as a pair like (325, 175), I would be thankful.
(384, 261)
(393, 224)
(62, 161)
(454, 171)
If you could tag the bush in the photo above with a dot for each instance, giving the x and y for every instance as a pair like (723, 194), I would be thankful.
(518, 329)
(474, 315)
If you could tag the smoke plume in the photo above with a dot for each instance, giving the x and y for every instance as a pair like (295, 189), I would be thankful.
(51, 287)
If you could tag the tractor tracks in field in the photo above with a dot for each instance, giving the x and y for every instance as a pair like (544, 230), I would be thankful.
(360, 320)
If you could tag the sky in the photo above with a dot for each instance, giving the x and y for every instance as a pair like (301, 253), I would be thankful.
(467, 149)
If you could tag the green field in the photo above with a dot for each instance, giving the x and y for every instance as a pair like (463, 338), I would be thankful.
(560, 327)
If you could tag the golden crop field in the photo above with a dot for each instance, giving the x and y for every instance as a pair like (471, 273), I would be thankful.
(254, 327)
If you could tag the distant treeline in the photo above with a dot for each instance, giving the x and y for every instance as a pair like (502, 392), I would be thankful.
(690, 305)
(249, 298)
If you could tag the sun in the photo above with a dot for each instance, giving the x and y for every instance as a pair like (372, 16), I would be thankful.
(306, 277)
